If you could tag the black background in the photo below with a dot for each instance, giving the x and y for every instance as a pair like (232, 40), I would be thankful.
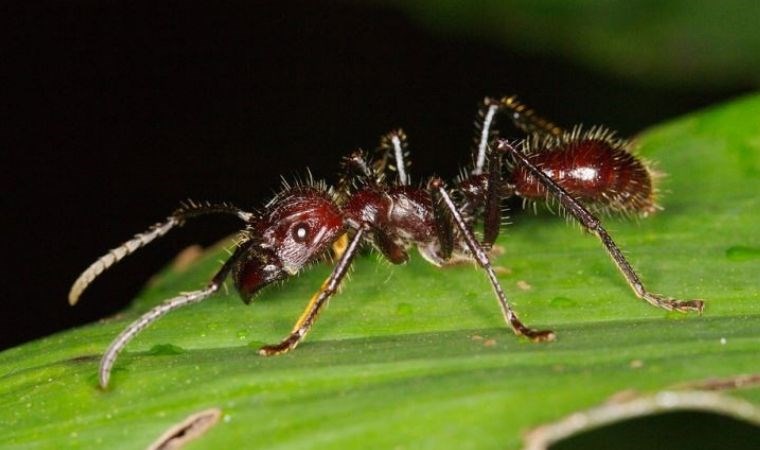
(119, 110)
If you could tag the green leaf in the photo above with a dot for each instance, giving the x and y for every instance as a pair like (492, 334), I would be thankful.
(416, 356)
(675, 42)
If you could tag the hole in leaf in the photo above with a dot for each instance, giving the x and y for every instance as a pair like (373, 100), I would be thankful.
(693, 430)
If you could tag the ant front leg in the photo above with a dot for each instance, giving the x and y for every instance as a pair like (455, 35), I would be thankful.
(593, 224)
(309, 316)
(439, 193)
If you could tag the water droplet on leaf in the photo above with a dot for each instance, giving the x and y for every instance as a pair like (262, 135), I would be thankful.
(166, 349)
(562, 302)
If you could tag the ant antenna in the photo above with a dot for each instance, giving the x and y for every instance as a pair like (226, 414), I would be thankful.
(186, 211)
(121, 341)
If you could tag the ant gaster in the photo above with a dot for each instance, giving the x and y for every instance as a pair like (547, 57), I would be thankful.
(376, 203)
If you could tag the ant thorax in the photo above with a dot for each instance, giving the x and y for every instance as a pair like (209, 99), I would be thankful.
(399, 217)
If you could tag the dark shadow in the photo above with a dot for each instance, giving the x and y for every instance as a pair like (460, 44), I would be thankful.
(678, 430)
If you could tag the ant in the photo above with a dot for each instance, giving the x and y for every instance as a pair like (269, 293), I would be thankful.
(376, 203)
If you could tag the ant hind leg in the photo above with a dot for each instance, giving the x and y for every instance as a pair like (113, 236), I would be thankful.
(593, 225)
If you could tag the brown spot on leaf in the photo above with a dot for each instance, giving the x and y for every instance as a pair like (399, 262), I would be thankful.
(112, 318)
(501, 270)
(84, 359)
(192, 427)
(636, 364)
(186, 257)
(721, 384)
(496, 251)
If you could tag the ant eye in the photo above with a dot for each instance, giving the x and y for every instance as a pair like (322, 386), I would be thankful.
(301, 233)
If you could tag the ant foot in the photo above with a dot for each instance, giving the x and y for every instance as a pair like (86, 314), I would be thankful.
(672, 304)
(285, 346)
(689, 305)
(539, 335)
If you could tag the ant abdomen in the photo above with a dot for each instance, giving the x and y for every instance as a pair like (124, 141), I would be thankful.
(594, 167)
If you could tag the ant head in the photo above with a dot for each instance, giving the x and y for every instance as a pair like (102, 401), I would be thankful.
(298, 225)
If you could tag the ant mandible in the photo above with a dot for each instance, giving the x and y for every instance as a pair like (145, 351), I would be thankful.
(376, 203)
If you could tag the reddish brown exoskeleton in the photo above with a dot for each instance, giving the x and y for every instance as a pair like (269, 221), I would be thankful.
(376, 203)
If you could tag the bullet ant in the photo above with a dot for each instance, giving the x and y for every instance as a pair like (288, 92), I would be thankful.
(375, 202)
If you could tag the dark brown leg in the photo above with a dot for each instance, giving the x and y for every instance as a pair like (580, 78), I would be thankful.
(527, 120)
(309, 316)
(523, 118)
(481, 257)
(492, 211)
(490, 200)
(121, 341)
(443, 224)
(392, 251)
(592, 224)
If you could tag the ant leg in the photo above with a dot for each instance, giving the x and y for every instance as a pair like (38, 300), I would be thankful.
(593, 224)
(522, 117)
(121, 341)
(354, 168)
(317, 301)
(487, 112)
(395, 142)
(527, 120)
(492, 211)
(481, 257)
(178, 217)
(390, 250)
(443, 229)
